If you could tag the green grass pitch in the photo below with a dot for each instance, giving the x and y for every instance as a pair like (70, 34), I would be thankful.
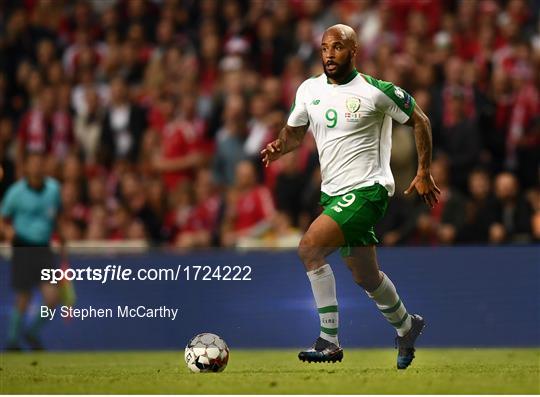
(363, 371)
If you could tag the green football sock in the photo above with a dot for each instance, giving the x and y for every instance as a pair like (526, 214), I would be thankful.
(390, 305)
(323, 285)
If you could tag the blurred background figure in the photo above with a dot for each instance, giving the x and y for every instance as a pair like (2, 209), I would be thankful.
(123, 125)
(28, 219)
(480, 210)
(249, 206)
(442, 223)
(230, 141)
(201, 225)
(512, 213)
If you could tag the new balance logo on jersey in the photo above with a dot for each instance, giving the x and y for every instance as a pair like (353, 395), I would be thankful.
(316, 102)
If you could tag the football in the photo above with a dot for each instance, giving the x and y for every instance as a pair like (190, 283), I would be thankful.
(206, 352)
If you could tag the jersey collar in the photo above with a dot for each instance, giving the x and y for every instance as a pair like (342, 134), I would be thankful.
(347, 79)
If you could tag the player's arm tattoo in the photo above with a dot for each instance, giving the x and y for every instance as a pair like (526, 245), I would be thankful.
(422, 136)
(291, 137)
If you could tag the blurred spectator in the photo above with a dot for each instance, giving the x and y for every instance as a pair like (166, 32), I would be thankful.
(73, 210)
(180, 204)
(97, 228)
(202, 222)
(460, 139)
(45, 129)
(121, 219)
(258, 130)
(133, 199)
(97, 192)
(523, 138)
(269, 48)
(230, 141)
(442, 223)
(503, 101)
(304, 44)
(183, 143)
(454, 82)
(399, 222)
(311, 196)
(88, 126)
(480, 210)
(156, 211)
(249, 206)
(289, 187)
(123, 125)
(7, 136)
(271, 88)
(513, 212)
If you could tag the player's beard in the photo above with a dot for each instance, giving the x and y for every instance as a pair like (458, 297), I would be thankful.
(341, 71)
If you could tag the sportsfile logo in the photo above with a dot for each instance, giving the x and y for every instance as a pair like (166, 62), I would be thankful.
(120, 273)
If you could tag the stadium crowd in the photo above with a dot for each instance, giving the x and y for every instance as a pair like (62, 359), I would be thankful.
(152, 114)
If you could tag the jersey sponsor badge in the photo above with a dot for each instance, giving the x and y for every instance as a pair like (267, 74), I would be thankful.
(353, 106)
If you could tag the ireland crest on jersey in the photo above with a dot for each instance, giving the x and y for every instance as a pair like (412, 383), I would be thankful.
(353, 105)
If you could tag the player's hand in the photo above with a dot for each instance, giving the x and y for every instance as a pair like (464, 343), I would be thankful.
(426, 188)
(272, 152)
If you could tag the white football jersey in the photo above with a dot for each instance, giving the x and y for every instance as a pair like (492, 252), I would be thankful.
(352, 126)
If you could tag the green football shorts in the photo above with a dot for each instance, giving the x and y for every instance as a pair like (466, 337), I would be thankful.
(356, 213)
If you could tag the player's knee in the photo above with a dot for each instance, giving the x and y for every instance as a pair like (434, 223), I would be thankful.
(308, 252)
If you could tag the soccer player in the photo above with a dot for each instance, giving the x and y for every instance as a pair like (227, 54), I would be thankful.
(32, 205)
(350, 115)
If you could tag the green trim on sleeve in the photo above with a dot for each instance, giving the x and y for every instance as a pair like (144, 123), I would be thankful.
(399, 96)
(293, 105)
